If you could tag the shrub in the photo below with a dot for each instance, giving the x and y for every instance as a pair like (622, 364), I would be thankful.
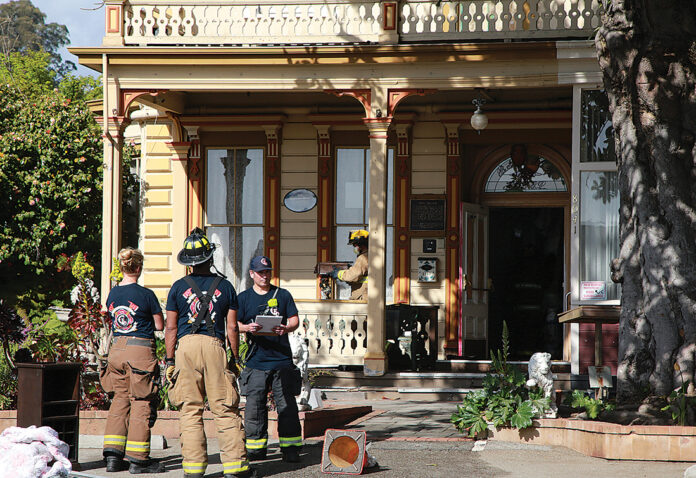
(504, 399)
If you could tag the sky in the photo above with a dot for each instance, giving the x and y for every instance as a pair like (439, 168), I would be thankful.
(85, 25)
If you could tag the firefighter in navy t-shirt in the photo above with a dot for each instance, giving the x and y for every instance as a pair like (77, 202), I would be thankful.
(201, 311)
(131, 372)
(269, 365)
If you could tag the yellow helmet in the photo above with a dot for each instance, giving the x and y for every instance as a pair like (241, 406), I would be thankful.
(358, 237)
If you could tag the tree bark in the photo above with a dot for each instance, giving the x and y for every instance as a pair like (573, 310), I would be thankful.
(647, 53)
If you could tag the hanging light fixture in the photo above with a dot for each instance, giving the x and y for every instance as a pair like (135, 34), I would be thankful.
(479, 120)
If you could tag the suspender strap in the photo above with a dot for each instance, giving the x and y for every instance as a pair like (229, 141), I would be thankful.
(204, 299)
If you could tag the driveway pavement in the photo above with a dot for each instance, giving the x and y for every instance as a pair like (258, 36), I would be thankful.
(415, 439)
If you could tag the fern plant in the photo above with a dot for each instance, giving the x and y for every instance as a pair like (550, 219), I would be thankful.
(504, 399)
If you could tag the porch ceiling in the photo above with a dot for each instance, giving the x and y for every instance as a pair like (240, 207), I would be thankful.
(459, 100)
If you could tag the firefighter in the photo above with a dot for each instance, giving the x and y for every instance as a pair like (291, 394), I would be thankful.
(201, 309)
(131, 372)
(269, 365)
(356, 275)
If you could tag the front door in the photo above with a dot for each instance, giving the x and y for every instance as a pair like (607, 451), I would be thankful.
(473, 326)
(527, 266)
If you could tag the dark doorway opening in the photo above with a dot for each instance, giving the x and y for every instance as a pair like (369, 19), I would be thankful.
(526, 267)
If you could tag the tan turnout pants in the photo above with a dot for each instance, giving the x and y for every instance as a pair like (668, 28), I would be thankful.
(201, 371)
(131, 375)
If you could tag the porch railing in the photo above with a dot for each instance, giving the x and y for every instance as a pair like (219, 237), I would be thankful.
(336, 332)
(289, 22)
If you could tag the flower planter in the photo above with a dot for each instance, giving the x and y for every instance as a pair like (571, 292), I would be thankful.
(607, 440)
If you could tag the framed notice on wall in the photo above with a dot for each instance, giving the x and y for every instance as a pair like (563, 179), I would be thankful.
(428, 214)
(593, 290)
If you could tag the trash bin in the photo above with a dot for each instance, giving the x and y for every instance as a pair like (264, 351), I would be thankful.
(415, 328)
(48, 394)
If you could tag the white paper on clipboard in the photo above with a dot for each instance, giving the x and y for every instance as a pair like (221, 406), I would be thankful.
(267, 322)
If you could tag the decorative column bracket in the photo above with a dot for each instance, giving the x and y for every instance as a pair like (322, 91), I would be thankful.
(325, 193)
(271, 232)
(452, 245)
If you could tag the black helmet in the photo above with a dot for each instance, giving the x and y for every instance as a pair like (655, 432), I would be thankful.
(197, 249)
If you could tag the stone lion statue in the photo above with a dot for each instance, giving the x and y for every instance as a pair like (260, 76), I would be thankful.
(300, 357)
(540, 376)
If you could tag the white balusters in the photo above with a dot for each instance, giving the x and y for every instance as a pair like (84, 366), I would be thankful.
(334, 338)
(252, 22)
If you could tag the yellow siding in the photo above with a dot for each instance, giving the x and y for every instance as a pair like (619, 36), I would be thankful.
(158, 279)
(158, 164)
(300, 179)
(156, 229)
(157, 147)
(159, 180)
(158, 196)
(157, 131)
(158, 213)
(154, 246)
(299, 147)
(153, 262)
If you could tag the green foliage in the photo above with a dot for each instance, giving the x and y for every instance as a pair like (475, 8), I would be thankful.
(50, 181)
(504, 400)
(680, 403)
(23, 29)
(28, 73)
(8, 385)
(116, 274)
(593, 406)
(51, 340)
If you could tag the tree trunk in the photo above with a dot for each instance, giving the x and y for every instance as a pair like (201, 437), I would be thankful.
(647, 53)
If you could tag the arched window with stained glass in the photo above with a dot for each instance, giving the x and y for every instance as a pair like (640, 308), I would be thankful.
(523, 172)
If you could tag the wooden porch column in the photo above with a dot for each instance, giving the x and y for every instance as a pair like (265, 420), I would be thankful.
(325, 172)
(180, 226)
(402, 256)
(452, 241)
(271, 231)
(113, 122)
(375, 362)
(195, 183)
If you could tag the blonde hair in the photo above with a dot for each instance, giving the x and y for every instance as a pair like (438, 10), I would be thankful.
(130, 260)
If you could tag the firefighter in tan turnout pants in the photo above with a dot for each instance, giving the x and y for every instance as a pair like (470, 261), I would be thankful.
(132, 372)
(356, 275)
(201, 309)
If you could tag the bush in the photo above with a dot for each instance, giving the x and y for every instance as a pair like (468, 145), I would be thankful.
(504, 399)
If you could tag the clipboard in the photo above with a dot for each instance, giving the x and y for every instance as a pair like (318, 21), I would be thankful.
(267, 322)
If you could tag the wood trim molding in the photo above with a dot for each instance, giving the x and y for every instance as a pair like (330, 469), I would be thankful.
(364, 96)
(452, 240)
(271, 230)
(325, 212)
(129, 96)
(402, 194)
(195, 184)
(395, 95)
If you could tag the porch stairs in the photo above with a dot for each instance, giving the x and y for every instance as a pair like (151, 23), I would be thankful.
(450, 381)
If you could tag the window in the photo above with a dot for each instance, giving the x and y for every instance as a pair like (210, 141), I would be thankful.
(234, 209)
(352, 209)
(595, 200)
(538, 174)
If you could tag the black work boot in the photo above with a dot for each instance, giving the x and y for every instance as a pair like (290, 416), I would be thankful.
(250, 473)
(256, 455)
(115, 463)
(148, 467)
(291, 455)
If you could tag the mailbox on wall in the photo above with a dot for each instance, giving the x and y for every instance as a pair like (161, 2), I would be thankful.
(427, 269)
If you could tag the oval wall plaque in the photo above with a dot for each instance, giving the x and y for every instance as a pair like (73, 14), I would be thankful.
(300, 200)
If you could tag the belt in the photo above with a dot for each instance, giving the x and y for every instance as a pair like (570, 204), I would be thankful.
(139, 341)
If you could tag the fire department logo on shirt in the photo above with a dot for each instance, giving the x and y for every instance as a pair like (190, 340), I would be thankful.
(124, 318)
(195, 305)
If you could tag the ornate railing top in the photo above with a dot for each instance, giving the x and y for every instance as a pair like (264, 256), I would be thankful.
(288, 22)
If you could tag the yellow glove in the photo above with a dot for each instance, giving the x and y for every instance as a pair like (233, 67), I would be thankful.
(169, 371)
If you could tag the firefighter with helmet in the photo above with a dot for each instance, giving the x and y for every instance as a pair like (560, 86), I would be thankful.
(201, 312)
(356, 275)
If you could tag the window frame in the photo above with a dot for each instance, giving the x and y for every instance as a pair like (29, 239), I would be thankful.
(231, 226)
(579, 167)
(391, 247)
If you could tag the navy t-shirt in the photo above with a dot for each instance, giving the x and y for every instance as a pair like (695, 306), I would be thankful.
(183, 300)
(268, 352)
(131, 307)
